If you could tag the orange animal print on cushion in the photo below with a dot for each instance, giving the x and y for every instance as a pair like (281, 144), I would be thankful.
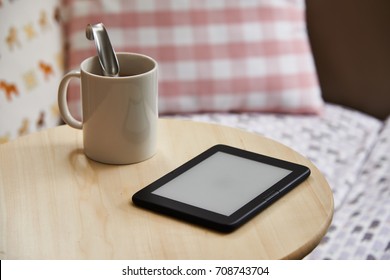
(43, 21)
(9, 89)
(12, 38)
(30, 31)
(46, 69)
(41, 120)
(4, 138)
(57, 14)
(24, 128)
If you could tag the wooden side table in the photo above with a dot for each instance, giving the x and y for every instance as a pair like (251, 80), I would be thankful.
(57, 204)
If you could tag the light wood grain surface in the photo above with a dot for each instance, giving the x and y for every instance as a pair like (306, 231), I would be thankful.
(57, 204)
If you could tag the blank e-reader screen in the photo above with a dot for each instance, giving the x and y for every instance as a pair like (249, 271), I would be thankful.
(221, 188)
(222, 183)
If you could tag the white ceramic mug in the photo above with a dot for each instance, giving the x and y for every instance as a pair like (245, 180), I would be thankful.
(119, 113)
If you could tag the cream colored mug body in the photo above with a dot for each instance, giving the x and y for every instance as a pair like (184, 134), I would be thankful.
(119, 113)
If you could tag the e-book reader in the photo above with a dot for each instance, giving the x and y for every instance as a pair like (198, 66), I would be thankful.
(221, 188)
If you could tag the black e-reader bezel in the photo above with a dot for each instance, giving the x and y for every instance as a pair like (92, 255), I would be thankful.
(147, 199)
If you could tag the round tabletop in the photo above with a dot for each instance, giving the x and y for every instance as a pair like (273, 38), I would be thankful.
(55, 203)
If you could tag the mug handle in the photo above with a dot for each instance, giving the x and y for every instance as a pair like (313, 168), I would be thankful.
(62, 100)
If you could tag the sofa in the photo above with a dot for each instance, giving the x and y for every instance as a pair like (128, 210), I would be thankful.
(312, 75)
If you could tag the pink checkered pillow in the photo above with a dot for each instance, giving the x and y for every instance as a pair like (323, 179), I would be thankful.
(220, 55)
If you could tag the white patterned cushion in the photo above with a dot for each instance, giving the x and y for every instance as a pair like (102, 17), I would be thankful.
(361, 228)
(352, 150)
